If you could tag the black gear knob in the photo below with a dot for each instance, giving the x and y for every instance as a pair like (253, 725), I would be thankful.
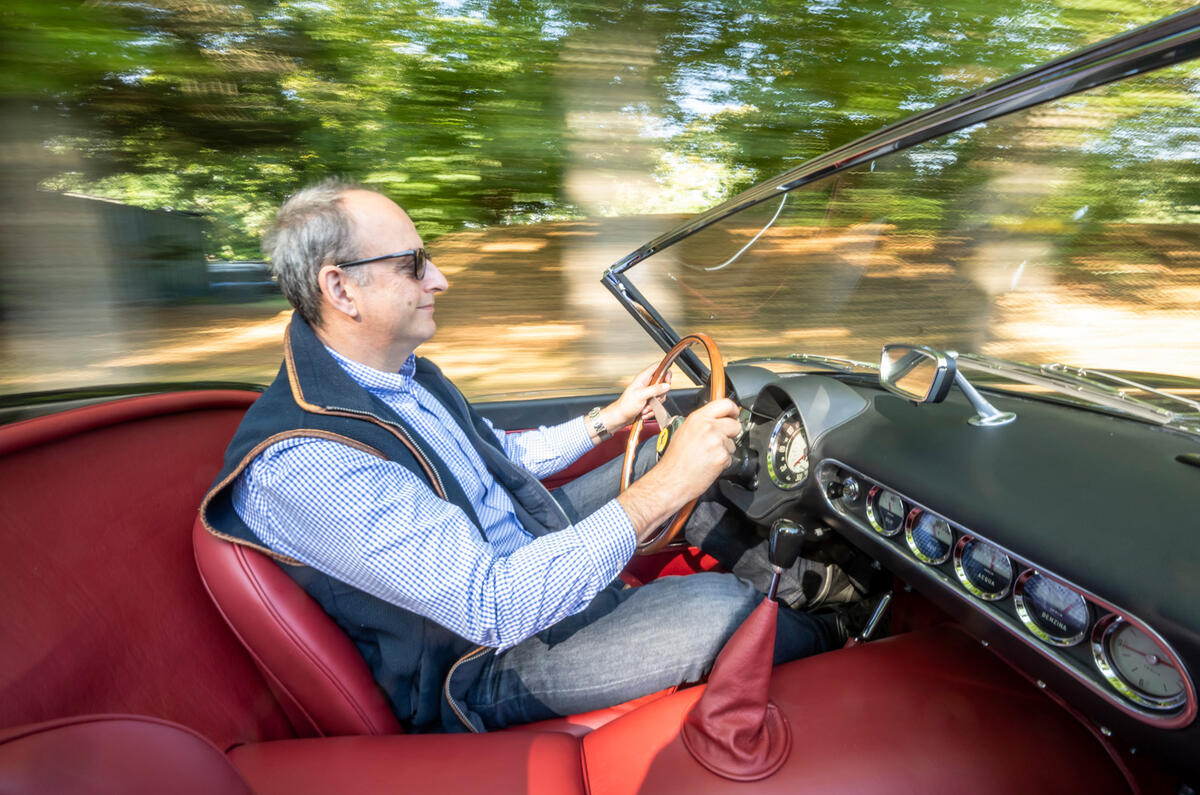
(787, 538)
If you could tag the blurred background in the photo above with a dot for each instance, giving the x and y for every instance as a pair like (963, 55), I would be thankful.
(145, 146)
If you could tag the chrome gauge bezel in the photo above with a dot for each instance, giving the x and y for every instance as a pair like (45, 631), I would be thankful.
(874, 520)
(1026, 615)
(965, 581)
(910, 522)
(773, 447)
(1101, 632)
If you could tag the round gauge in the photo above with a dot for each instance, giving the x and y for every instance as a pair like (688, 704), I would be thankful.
(928, 536)
(982, 569)
(1135, 665)
(1050, 610)
(886, 511)
(787, 451)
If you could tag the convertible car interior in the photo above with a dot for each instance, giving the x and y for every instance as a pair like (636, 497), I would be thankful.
(1027, 535)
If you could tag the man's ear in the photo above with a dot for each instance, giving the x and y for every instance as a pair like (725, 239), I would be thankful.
(339, 290)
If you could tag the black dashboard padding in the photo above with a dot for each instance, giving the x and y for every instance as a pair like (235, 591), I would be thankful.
(747, 381)
(824, 403)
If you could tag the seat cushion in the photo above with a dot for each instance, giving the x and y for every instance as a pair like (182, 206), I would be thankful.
(503, 763)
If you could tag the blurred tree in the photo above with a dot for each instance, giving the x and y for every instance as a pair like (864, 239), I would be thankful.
(457, 108)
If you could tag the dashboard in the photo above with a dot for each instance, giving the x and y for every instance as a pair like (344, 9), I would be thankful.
(1065, 542)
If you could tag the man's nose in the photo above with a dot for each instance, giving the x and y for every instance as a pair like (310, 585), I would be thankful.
(434, 280)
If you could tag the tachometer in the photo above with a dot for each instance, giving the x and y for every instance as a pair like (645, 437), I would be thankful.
(1135, 665)
(929, 536)
(982, 569)
(787, 451)
(886, 511)
(1050, 610)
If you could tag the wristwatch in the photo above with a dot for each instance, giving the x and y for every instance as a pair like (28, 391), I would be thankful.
(596, 424)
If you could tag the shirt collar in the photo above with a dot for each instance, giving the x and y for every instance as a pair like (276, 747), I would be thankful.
(379, 382)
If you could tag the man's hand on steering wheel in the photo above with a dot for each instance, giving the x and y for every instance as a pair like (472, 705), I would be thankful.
(699, 452)
(634, 402)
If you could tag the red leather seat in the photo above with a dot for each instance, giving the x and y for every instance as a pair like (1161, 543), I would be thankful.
(101, 754)
(134, 754)
(314, 669)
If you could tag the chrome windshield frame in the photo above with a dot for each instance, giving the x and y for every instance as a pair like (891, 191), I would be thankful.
(1169, 41)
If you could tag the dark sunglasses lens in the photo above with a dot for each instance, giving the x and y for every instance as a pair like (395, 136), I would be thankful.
(420, 258)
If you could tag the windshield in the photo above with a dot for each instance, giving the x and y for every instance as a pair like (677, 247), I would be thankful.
(1068, 232)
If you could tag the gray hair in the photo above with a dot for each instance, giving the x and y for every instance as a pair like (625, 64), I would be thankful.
(311, 229)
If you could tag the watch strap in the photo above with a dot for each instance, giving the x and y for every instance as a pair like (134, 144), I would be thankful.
(597, 425)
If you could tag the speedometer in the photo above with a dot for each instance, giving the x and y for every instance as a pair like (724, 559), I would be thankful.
(787, 451)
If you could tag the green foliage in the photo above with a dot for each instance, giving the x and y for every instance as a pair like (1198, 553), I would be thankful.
(460, 110)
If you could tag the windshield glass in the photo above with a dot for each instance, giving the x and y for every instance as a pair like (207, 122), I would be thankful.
(1068, 232)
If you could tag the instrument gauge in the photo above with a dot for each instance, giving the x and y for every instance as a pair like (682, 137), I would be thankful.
(787, 451)
(886, 511)
(1050, 610)
(982, 569)
(929, 536)
(1135, 665)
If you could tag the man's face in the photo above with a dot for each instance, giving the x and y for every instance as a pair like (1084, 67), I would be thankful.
(395, 309)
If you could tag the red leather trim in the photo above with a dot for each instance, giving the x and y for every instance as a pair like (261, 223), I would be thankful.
(601, 453)
(102, 754)
(52, 427)
(670, 562)
(504, 763)
(311, 662)
(929, 712)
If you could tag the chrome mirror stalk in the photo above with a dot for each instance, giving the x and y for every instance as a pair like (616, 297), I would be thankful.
(986, 415)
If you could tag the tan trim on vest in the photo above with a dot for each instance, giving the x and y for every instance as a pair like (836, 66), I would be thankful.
(298, 396)
(306, 433)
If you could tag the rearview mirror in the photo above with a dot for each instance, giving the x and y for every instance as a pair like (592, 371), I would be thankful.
(916, 372)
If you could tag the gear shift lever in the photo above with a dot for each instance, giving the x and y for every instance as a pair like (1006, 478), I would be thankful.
(734, 730)
(787, 539)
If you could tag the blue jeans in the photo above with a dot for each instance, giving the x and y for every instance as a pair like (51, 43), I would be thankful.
(627, 642)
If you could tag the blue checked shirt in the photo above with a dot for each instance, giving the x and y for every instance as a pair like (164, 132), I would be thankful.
(378, 526)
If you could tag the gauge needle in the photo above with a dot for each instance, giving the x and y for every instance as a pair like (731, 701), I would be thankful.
(1153, 659)
(796, 463)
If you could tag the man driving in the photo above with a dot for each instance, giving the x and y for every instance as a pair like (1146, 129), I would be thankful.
(478, 598)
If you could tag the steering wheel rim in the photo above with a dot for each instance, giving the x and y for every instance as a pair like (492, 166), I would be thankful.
(716, 391)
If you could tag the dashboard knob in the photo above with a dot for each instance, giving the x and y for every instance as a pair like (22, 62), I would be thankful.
(851, 491)
(847, 489)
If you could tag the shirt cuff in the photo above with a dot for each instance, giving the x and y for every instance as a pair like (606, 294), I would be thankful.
(571, 439)
(609, 536)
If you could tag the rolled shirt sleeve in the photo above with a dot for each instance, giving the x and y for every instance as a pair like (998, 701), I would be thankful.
(377, 526)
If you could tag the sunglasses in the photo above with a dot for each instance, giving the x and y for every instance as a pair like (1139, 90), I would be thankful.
(418, 256)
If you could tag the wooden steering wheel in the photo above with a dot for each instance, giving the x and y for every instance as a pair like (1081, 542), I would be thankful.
(716, 390)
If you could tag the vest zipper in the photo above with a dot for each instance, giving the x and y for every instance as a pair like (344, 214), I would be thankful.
(471, 655)
(429, 464)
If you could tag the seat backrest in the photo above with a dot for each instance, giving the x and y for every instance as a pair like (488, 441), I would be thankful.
(103, 609)
(316, 671)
